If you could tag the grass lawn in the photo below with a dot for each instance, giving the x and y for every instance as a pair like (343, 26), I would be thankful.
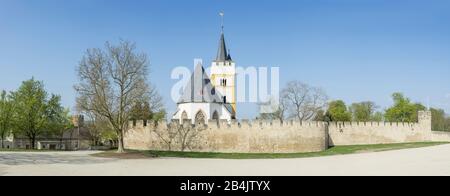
(337, 150)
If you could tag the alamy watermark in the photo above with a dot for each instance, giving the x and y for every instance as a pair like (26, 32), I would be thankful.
(260, 85)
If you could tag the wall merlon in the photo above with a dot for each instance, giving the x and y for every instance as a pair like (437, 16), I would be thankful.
(130, 124)
(289, 136)
(246, 124)
(277, 123)
(140, 123)
(213, 124)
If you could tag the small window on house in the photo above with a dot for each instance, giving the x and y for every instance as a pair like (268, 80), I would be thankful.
(224, 99)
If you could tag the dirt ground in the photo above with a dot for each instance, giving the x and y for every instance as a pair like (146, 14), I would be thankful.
(421, 161)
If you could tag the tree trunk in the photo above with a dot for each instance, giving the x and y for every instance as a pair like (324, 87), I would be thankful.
(32, 143)
(61, 141)
(2, 138)
(120, 148)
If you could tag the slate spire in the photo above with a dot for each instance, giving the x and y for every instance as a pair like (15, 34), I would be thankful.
(222, 52)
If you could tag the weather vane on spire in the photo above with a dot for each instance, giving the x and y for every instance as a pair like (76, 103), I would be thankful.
(222, 14)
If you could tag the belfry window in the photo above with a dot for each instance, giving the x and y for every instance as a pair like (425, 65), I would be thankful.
(223, 82)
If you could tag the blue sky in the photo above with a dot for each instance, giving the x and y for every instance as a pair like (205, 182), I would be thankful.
(356, 50)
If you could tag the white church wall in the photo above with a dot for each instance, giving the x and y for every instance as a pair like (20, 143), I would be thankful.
(224, 114)
(208, 110)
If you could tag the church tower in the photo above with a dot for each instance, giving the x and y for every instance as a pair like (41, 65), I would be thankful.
(223, 73)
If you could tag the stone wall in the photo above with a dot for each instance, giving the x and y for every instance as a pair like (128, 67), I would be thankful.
(361, 133)
(354, 133)
(440, 136)
(275, 137)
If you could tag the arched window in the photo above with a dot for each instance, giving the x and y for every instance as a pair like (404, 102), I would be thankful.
(200, 118)
(215, 115)
(184, 116)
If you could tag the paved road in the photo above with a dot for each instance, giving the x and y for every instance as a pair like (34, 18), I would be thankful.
(423, 161)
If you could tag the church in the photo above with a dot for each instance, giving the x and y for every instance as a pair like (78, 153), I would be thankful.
(211, 97)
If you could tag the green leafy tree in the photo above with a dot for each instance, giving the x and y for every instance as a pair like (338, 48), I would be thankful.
(35, 113)
(59, 118)
(337, 111)
(447, 124)
(6, 116)
(403, 109)
(159, 115)
(364, 111)
(140, 111)
(144, 111)
(99, 129)
(322, 116)
(439, 121)
(378, 117)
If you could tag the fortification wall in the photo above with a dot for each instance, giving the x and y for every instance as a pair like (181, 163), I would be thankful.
(275, 137)
(237, 137)
(360, 133)
(440, 136)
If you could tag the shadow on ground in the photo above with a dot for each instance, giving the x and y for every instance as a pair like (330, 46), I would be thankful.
(41, 158)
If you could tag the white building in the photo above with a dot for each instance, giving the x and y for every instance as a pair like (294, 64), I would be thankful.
(207, 99)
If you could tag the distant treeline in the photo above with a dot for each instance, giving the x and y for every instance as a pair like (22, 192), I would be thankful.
(303, 102)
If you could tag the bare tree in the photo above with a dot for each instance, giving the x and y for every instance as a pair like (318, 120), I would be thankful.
(303, 101)
(278, 110)
(111, 81)
(96, 126)
(155, 100)
(167, 136)
(188, 135)
(280, 114)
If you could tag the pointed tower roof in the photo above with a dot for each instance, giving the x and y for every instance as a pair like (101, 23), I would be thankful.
(222, 52)
(229, 56)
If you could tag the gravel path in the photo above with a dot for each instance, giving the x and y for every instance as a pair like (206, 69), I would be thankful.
(421, 161)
